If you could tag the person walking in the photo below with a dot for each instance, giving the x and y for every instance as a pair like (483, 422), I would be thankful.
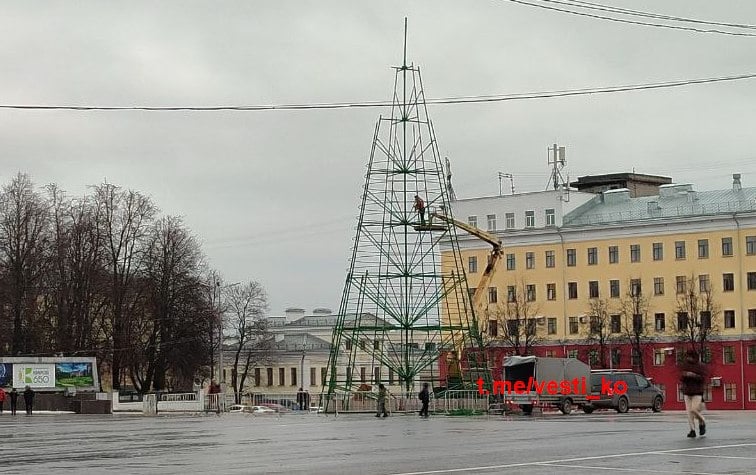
(692, 377)
(382, 399)
(29, 399)
(425, 399)
(420, 207)
(2, 399)
(13, 395)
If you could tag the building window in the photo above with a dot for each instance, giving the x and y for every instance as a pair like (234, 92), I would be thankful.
(550, 217)
(573, 328)
(729, 318)
(571, 257)
(751, 280)
(391, 376)
(593, 289)
(530, 260)
(363, 374)
(470, 293)
(726, 246)
(257, 376)
(658, 251)
(511, 294)
(472, 265)
(513, 326)
(550, 291)
(493, 328)
(679, 394)
(681, 284)
(682, 320)
(592, 256)
(638, 325)
(491, 221)
(377, 345)
(377, 375)
(752, 391)
(614, 289)
(348, 344)
(472, 221)
(705, 319)
(750, 245)
(613, 254)
(658, 285)
(728, 282)
(658, 357)
(703, 248)
(572, 292)
(752, 318)
(635, 357)
(706, 358)
(269, 374)
(492, 295)
(313, 376)
(293, 376)
(728, 355)
(511, 262)
(635, 287)
(704, 284)
(752, 354)
(659, 322)
(550, 354)
(323, 375)
(616, 356)
(530, 292)
(550, 259)
(593, 357)
(529, 219)
(679, 250)
(635, 255)
(730, 392)
(509, 220)
(552, 326)
(281, 376)
(572, 353)
(615, 324)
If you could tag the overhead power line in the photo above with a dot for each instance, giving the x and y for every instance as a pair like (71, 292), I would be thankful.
(369, 104)
(659, 16)
(545, 6)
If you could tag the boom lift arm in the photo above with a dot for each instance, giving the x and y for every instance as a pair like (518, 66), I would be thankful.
(478, 297)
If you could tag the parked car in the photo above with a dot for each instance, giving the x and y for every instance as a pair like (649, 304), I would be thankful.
(640, 392)
(240, 408)
(262, 410)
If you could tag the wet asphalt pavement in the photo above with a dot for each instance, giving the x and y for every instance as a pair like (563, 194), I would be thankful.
(603, 442)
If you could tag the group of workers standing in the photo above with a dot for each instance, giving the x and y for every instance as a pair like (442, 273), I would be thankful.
(12, 395)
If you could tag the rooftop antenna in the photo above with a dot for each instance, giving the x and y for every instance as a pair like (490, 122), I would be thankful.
(557, 159)
(511, 182)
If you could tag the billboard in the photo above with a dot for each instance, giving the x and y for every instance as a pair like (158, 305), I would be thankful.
(34, 375)
(6, 374)
(78, 375)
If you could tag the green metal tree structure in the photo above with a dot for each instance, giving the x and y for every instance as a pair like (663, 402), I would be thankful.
(404, 304)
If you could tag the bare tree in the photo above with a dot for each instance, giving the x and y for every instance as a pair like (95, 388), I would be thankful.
(126, 217)
(24, 238)
(516, 319)
(636, 327)
(245, 306)
(599, 329)
(697, 313)
(172, 269)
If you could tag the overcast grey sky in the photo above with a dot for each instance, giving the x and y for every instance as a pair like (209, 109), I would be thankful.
(273, 196)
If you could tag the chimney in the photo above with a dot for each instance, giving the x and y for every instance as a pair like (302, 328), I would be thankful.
(736, 185)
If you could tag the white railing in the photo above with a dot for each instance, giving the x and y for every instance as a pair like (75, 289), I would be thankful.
(405, 402)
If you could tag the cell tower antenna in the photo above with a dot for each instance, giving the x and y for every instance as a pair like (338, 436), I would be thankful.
(557, 159)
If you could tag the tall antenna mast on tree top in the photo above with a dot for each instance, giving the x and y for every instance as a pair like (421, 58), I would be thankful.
(405, 314)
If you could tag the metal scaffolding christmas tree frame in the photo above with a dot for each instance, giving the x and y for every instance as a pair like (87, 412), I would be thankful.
(402, 307)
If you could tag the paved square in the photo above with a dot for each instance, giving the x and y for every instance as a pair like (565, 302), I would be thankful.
(600, 443)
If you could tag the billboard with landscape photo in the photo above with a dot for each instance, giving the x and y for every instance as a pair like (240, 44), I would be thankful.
(74, 374)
